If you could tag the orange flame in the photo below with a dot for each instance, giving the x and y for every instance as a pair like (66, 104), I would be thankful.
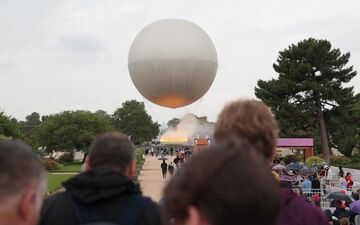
(173, 139)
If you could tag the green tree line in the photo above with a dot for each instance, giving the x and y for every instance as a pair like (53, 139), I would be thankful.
(75, 130)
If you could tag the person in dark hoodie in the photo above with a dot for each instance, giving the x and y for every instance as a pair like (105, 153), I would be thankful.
(253, 122)
(105, 192)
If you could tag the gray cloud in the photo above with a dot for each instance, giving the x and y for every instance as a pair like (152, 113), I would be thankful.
(82, 43)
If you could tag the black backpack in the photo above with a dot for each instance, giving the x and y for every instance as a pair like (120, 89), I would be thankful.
(128, 212)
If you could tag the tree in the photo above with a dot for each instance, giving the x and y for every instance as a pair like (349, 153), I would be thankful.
(309, 85)
(133, 120)
(173, 122)
(344, 127)
(8, 127)
(31, 122)
(28, 127)
(102, 113)
(70, 130)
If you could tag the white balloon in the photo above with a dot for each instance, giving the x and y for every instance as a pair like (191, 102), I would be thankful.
(172, 62)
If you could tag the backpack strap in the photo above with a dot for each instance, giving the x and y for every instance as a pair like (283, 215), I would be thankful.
(130, 213)
(84, 214)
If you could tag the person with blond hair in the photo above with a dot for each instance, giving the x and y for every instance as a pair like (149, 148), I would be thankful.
(251, 121)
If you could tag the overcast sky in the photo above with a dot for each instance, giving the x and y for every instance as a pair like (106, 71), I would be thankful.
(72, 54)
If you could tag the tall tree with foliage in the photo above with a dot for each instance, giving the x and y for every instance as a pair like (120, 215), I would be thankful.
(8, 127)
(309, 85)
(133, 120)
(28, 126)
(70, 130)
(344, 129)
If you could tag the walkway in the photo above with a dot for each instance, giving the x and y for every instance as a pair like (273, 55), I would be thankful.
(151, 181)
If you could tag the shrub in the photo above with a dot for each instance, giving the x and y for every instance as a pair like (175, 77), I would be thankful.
(50, 164)
(292, 159)
(314, 161)
(139, 152)
(339, 160)
(67, 157)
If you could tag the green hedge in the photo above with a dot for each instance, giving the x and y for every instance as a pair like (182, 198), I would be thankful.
(314, 161)
(66, 157)
(347, 162)
(139, 152)
(292, 159)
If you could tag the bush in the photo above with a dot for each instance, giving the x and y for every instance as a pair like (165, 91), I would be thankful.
(67, 157)
(339, 160)
(50, 164)
(292, 159)
(314, 161)
(139, 152)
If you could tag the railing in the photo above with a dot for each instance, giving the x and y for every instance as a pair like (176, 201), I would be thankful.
(328, 185)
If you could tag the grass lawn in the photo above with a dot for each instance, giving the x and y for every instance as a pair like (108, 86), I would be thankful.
(73, 167)
(54, 182)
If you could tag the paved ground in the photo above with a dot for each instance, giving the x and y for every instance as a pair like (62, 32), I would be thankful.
(151, 181)
(355, 174)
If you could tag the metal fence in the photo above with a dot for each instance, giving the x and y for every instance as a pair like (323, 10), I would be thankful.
(328, 185)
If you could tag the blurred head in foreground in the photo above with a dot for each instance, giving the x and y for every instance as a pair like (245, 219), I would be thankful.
(248, 121)
(222, 186)
(22, 184)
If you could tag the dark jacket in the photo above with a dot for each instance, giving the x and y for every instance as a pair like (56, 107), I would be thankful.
(341, 212)
(315, 184)
(104, 190)
(296, 211)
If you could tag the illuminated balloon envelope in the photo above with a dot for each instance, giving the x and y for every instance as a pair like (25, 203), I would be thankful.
(172, 62)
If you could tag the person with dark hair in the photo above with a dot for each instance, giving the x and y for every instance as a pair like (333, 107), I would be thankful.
(217, 187)
(341, 170)
(164, 169)
(251, 121)
(340, 210)
(22, 184)
(105, 192)
(315, 184)
(171, 168)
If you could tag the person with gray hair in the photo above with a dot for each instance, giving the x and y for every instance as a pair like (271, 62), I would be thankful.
(22, 184)
(104, 193)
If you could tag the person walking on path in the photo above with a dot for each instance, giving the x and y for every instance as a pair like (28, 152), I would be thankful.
(164, 169)
(105, 192)
(171, 168)
(349, 181)
(342, 181)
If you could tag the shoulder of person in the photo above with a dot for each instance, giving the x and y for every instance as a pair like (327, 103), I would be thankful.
(150, 214)
(298, 211)
(55, 208)
(56, 199)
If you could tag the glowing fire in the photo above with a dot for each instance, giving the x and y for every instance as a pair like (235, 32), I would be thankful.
(173, 139)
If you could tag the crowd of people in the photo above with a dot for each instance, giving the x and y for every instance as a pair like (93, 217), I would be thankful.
(230, 183)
